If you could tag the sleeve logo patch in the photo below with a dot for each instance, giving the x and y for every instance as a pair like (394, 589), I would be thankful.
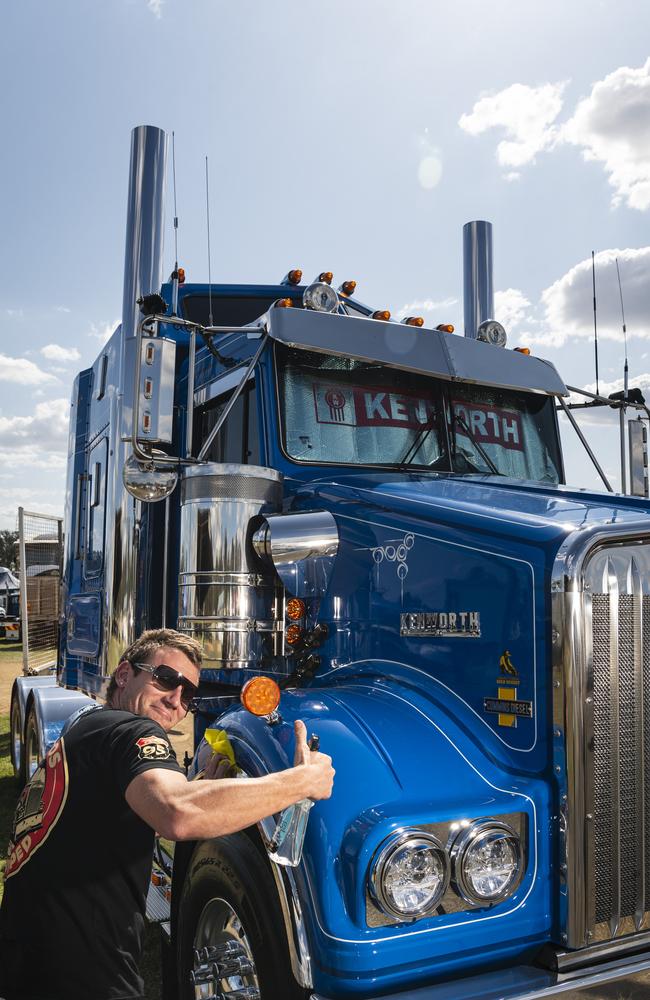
(39, 808)
(153, 748)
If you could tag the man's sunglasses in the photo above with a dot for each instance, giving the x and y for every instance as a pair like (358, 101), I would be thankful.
(169, 679)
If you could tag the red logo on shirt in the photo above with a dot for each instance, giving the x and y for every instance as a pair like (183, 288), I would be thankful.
(152, 748)
(39, 807)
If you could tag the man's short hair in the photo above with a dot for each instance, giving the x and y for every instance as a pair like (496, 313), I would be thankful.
(147, 644)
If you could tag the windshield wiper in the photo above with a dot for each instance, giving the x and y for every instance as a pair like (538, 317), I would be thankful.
(418, 440)
(486, 458)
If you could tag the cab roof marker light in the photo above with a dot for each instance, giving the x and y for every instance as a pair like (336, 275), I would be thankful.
(325, 276)
(522, 350)
(293, 277)
(283, 303)
(413, 320)
(381, 314)
(347, 288)
(445, 327)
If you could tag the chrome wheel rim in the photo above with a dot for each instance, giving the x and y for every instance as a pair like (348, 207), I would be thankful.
(223, 958)
(31, 753)
(16, 737)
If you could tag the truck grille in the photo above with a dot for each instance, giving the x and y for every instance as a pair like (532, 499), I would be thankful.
(617, 741)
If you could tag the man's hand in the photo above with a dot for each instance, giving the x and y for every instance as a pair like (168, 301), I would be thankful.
(219, 766)
(320, 773)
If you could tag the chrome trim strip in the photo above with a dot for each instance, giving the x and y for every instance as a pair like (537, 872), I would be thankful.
(610, 586)
(635, 588)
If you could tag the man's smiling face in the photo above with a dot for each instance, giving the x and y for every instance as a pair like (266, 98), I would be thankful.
(141, 694)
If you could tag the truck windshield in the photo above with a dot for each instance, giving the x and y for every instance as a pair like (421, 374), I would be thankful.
(339, 411)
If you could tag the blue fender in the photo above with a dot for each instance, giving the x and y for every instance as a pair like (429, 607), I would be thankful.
(400, 761)
(53, 706)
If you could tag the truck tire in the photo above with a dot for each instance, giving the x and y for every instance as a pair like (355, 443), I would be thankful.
(229, 903)
(17, 745)
(33, 752)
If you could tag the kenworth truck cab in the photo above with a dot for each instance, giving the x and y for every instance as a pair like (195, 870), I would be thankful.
(375, 515)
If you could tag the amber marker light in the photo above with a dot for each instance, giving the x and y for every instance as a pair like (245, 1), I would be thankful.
(293, 634)
(260, 696)
(283, 303)
(382, 314)
(445, 327)
(295, 609)
(522, 350)
(181, 276)
(293, 277)
(414, 320)
(325, 276)
(347, 288)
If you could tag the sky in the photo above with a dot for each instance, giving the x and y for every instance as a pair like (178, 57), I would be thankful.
(354, 136)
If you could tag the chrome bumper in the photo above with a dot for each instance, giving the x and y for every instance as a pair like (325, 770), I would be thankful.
(523, 982)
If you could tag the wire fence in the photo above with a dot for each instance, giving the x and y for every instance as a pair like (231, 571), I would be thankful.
(40, 559)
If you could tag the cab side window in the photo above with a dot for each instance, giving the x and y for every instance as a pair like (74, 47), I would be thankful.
(238, 439)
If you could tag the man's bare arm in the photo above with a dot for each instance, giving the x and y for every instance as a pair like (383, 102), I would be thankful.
(194, 810)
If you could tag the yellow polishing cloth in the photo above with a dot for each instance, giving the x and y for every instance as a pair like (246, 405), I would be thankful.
(218, 741)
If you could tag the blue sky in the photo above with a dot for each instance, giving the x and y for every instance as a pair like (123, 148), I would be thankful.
(356, 137)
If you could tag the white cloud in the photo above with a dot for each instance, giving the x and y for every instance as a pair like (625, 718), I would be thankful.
(419, 306)
(612, 125)
(104, 331)
(54, 352)
(510, 308)
(155, 6)
(47, 429)
(22, 372)
(15, 313)
(62, 309)
(567, 305)
(526, 113)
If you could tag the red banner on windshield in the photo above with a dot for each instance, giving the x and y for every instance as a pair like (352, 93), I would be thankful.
(489, 424)
(367, 406)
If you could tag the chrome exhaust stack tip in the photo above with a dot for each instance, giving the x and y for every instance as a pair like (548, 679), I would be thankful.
(478, 286)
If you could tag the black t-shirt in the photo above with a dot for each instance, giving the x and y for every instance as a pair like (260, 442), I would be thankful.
(79, 863)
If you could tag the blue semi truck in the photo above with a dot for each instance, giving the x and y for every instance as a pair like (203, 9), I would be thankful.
(374, 514)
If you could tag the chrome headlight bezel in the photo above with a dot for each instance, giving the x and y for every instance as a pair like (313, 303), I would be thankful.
(379, 868)
(492, 332)
(466, 839)
(320, 297)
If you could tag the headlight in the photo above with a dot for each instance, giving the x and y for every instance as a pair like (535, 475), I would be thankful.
(487, 862)
(320, 296)
(409, 874)
(492, 333)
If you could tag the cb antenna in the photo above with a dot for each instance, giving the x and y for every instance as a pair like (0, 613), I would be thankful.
(175, 277)
(593, 278)
(207, 212)
(625, 369)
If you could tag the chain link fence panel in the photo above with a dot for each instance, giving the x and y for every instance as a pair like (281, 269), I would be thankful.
(40, 561)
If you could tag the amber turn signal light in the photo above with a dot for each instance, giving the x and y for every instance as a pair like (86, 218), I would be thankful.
(347, 288)
(383, 314)
(260, 696)
(414, 320)
(293, 277)
(283, 303)
(325, 276)
(295, 609)
(445, 327)
(181, 276)
(522, 350)
(293, 634)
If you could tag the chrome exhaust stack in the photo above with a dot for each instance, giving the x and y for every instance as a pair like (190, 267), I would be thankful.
(477, 276)
(143, 268)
